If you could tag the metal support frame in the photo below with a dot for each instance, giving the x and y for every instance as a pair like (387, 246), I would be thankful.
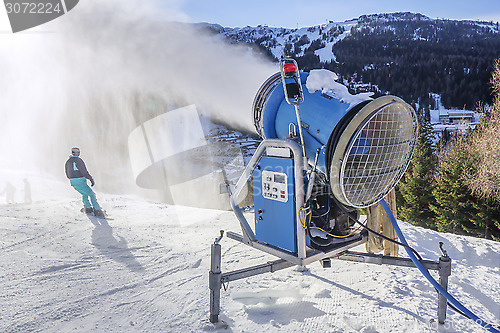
(214, 279)
(443, 266)
(311, 254)
(218, 279)
(444, 273)
(304, 254)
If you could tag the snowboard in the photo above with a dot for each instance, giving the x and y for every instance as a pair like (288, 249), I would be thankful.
(104, 217)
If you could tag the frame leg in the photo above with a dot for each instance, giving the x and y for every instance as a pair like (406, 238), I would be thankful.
(444, 273)
(214, 282)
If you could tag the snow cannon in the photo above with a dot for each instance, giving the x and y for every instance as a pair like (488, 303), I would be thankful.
(325, 154)
(362, 145)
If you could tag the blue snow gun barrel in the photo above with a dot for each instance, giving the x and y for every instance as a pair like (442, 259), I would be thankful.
(365, 144)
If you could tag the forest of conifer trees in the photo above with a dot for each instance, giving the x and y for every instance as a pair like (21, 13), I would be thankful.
(456, 188)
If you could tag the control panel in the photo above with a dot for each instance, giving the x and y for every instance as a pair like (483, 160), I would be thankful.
(275, 185)
(274, 202)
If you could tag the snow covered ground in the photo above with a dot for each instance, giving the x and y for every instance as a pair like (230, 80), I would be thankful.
(146, 270)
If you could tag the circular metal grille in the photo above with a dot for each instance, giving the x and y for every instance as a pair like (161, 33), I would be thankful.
(378, 154)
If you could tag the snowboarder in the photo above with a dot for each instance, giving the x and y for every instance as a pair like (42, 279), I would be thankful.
(77, 173)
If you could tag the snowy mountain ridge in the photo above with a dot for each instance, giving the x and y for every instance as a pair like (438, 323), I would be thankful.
(403, 54)
(321, 38)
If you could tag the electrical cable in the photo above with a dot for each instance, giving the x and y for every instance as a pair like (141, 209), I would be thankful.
(305, 225)
(437, 286)
(376, 233)
(336, 236)
(323, 214)
(303, 222)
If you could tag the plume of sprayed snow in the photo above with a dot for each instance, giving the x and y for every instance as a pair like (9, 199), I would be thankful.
(86, 79)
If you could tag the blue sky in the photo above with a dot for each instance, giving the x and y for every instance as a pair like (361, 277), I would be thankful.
(293, 13)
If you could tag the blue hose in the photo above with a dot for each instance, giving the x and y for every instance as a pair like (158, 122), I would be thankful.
(426, 273)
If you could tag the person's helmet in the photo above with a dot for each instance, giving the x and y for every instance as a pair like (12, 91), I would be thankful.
(75, 151)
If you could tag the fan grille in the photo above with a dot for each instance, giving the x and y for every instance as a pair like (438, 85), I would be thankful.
(378, 154)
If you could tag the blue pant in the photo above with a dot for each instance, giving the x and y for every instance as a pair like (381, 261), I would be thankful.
(80, 184)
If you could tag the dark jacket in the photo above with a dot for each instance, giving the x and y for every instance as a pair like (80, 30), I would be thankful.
(75, 168)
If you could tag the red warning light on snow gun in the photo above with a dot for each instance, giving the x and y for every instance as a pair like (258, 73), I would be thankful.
(289, 69)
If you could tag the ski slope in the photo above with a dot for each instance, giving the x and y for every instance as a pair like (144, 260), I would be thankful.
(146, 270)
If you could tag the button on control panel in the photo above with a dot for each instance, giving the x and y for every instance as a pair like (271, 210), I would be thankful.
(275, 185)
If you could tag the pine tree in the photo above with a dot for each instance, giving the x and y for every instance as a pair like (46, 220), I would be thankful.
(487, 219)
(456, 208)
(415, 189)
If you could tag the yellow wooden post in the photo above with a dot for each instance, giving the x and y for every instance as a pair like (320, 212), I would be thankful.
(390, 248)
(378, 221)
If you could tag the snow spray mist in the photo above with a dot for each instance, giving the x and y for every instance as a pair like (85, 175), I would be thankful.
(90, 77)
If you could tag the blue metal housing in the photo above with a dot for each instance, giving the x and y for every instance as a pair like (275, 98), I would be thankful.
(364, 144)
(275, 221)
(319, 114)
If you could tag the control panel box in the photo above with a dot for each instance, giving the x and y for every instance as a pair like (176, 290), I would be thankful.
(275, 185)
(274, 202)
